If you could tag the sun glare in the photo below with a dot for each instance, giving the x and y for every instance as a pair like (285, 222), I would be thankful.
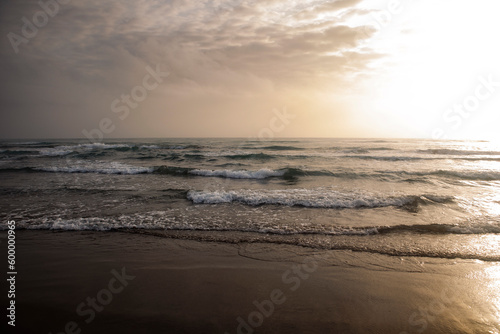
(435, 63)
(493, 274)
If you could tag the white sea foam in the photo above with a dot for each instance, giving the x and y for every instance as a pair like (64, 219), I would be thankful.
(317, 198)
(94, 146)
(53, 152)
(239, 174)
(67, 149)
(103, 224)
(163, 220)
(97, 167)
(476, 228)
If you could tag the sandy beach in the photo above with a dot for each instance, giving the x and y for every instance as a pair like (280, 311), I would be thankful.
(91, 282)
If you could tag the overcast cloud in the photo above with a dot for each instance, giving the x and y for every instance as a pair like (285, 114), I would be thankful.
(230, 64)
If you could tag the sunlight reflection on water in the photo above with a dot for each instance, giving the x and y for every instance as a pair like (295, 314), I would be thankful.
(492, 294)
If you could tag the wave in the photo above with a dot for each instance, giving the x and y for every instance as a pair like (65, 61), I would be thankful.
(17, 169)
(96, 146)
(19, 152)
(21, 143)
(385, 158)
(468, 175)
(62, 150)
(264, 173)
(257, 156)
(149, 147)
(407, 158)
(168, 170)
(224, 173)
(154, 222)
(457, 152)
(54, 152)
(160, 220)
(480, 228)
(239, 174)
(356, 151)
(314, 198)
(285, 173)
(293, 173)
(86, 150)
(98, 168)
(380, 148)
(181, 147)
(195, 157)
(450, 174)
(282, 148)
(479, 159)
(389, 240)
(127, 147)
(90, 155)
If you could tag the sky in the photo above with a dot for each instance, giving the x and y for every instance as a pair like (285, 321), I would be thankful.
(249, 68)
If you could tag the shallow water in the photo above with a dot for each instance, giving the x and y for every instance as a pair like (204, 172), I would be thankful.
(396, 197)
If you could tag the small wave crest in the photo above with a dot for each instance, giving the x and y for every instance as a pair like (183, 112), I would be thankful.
(97, 167)
(282, 148)
(313, 198)
(239, 174)
(457, 152)
(251, 156)
(464, 228)
(54, 152)
(469, 175)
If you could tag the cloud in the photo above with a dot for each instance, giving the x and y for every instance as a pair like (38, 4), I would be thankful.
(211, 47)
(330, 6)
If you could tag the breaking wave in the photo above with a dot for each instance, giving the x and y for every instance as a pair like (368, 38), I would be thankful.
(313, 198)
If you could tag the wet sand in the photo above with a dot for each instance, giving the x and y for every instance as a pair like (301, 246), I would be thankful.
(114, 282)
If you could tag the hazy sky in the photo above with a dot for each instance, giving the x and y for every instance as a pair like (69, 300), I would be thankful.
(340, 68)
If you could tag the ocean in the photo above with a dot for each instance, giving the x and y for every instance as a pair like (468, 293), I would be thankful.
(400, 198)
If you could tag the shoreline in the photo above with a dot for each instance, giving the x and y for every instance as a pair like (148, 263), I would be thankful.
(186, 286)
